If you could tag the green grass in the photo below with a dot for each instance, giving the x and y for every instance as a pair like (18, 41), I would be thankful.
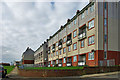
(9, 68)
(54, 68)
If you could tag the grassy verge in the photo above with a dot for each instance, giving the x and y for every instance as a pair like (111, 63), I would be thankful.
(9, 68)
(54, 68)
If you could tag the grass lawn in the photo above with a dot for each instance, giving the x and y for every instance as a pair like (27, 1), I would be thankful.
(9, 68)
(54, 68)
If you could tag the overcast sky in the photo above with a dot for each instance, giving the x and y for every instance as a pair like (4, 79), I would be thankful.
(30, 24)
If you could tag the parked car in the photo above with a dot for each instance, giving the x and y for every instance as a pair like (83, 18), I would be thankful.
(3, 72)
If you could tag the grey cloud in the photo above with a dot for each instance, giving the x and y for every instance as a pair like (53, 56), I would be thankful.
(30, 24)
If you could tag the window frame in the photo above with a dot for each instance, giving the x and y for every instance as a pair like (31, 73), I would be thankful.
(91, 38)
(75, 21)
(92, 8)
(73, 46)
(60, 52)
(69, 47)
(63, 39)
(64, 60)
(64, 49)
(91, 56)
(82, 15)
(83, 44)
(87, 12)
(75, 59)
(56, 53)
(56, 44)
(89, 22)
(76, 33)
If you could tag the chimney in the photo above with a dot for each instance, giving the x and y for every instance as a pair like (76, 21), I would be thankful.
(77, 12)
(68, 20)
(61, 27)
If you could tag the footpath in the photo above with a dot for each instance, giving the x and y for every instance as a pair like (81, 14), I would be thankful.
(14, 73)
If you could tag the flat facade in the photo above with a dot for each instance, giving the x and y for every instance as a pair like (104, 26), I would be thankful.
(41, 55)
(89, 38)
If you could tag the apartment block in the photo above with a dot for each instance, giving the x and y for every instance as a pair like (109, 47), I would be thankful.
(41, 55)
(89, 38)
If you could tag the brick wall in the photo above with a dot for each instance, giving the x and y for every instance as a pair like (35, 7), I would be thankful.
(64, 73)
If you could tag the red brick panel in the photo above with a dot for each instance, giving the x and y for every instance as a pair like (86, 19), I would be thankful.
(28, 61)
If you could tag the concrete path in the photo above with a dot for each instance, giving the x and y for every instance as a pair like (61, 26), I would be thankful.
(14, 73)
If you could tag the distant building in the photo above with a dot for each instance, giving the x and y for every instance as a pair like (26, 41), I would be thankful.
(28, 56)
(5, 64)
(41, 55)
(16, 63)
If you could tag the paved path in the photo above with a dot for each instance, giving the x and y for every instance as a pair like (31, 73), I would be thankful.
(14, 73)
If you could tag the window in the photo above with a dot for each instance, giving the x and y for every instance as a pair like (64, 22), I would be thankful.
(69, 26)
(74, 21)
(51, 47)
(56, 61)
(64, 60)
(82, 43)
(51, 62)
(74, 46)
(91, 56)
(57, 53)
(91, 24)
(65, 29)
(51, 55)
(75, 33)
(64, 39)
(57, 44)
(92, 8)
(91, 40)
(54, 53)
(69, 48)
(82, 15)
(74, 58)
(87, 12)
(64, 50)
(60, 52)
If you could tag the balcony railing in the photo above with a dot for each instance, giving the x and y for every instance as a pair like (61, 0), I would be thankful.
(69, 64)
(60, 47)
(81, 63)
(53, 50)
(48, 51)
(59, 64)
(48, 65)
(82, 36)
(69, 42)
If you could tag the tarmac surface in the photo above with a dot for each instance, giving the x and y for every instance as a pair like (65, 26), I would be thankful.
(102, 76)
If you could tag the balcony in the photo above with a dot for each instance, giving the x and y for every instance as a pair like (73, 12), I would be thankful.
(81, 63)
(69, 64)
(53, 50)
(60, 65)
(82, 36)
(48, 51)
(60, 47)
(69, 42)
(49, 65)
